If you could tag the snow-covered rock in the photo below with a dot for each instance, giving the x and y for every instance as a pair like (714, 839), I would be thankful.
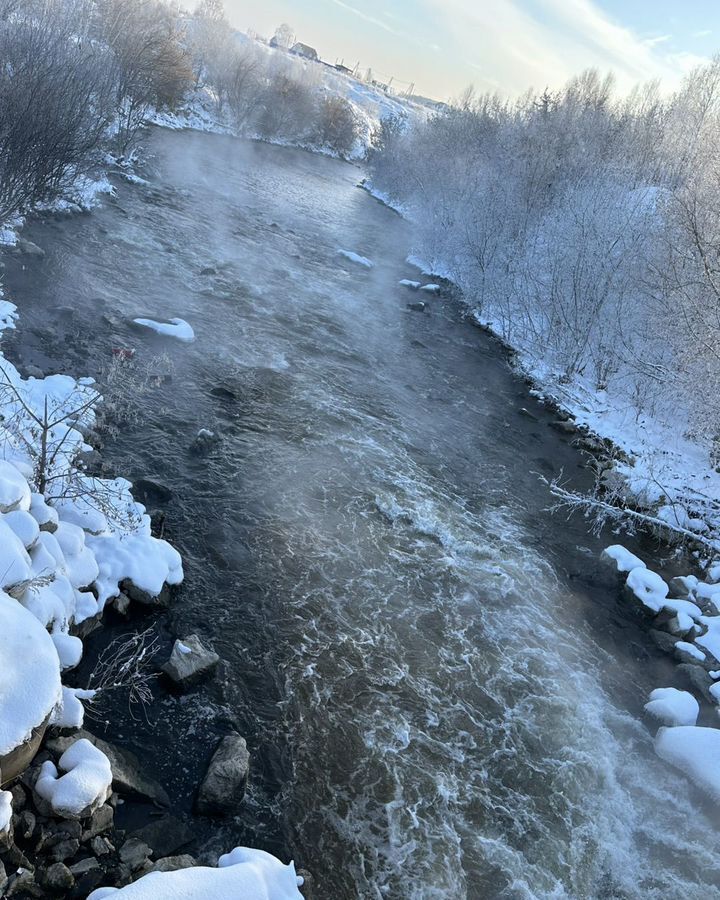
(246, 874)
(190, 662)
(648, 587)
(177, 328)
(84, 786)
(695, 751)
(673, 707)
(623, 559)
(688, 652)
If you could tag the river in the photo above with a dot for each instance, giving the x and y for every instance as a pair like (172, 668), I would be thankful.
(440, 684)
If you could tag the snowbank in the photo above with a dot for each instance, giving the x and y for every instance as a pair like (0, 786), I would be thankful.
(30, 679)
(246, 874)
(83, 538)
(177, 328)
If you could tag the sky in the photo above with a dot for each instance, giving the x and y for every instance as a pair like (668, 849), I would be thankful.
(505, 45)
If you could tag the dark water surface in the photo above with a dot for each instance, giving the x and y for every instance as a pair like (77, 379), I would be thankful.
(440, 685)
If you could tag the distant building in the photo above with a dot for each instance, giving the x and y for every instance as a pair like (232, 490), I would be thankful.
(305, 51)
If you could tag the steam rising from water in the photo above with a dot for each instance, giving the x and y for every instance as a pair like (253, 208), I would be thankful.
(374, 541)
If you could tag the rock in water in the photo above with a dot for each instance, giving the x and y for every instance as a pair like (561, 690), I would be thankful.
(165, 835)
(223, 787)
(190, 662)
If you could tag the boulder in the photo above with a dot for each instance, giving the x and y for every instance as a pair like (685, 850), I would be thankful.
(174, 863)
(190, 662)
(418, 306)
(27, 248)
(84, 866)
(138, 595)
(698, 678)
(58, 879)
(64, 849)
(151, 492)
(134, 853)
(128, 777)
(223, 787)
(101, 820)
(164, 835)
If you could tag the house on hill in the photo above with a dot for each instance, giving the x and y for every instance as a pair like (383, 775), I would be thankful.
(306, 52)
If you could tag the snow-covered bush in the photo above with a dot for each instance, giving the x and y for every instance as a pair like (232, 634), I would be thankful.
(584, 229)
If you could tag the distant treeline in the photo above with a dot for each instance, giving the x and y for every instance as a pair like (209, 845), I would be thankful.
(584, 227)
(79, 77)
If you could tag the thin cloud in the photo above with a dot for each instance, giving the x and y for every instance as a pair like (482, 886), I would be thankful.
(547, 43)
(366, 18)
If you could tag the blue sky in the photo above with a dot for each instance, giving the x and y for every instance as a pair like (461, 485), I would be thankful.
(505, 45)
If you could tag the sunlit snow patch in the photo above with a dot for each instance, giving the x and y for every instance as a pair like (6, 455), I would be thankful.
(244, 873)
(177, 328)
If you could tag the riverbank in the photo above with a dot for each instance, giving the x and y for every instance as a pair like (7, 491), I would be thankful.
(647, 467)
(374, 578)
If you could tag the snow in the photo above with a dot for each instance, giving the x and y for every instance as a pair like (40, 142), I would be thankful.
(30, 675)
(177, 328)
(408, 283)
(8, 314)
(624, 560)
(431, 288)
(673, 707)
(69, 649)
(243, 873)
(648, 587)
(711, 639)
(14, 489)
(691, 650)
(85, 783)
(147, 561)
(695, 751)
(356, 258)
(5, 810)
(70, 713)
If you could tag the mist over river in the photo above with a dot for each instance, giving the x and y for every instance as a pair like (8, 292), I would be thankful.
(440, 684)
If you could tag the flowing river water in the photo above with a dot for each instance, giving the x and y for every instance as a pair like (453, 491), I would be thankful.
(440, 684)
